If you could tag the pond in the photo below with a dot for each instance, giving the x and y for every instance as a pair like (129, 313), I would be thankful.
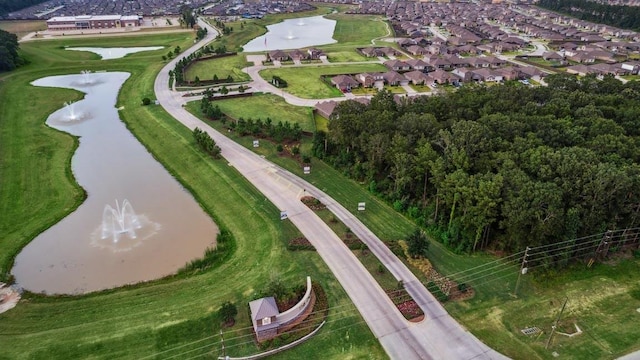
(294, 34)
(137, 223)
(114, 52)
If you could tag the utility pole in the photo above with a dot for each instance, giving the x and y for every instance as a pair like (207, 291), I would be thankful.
(224, 352)
(523, 269)
(555, 324)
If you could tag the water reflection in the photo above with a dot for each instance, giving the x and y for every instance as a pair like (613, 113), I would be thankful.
(110, 164)
(294, 34)
(114, 52)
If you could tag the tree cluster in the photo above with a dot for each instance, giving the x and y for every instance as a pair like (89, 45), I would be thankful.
(226, 30)
(187, 16)
(621, 16)
(206, 143)
(278, 132)
(210, 111)
(499, 167)
(9, 58)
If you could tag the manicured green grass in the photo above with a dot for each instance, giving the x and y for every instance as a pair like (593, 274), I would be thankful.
(420, 88)
(263, 106)
(347, 56)
(173, 317)
(373, 91)
(358, 29)
(305, 82)
(222, 67)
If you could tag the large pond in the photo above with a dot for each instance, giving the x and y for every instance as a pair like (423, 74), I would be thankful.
(114, 52)
(294, 34)
(137, 223)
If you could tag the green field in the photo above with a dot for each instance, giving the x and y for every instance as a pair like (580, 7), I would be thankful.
(169, 318)
(358, 30)
(23, 27)
(263, 106)
(305, 82)
(221, 67)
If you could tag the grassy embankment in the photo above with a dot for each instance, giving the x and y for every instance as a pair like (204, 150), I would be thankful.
(220, 67)
(172, 317)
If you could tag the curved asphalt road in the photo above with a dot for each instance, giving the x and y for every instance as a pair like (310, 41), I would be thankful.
(438, 337)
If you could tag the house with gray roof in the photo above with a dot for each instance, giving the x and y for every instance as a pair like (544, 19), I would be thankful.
(264, 313)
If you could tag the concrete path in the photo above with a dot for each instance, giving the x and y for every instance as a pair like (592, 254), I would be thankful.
(438, 337)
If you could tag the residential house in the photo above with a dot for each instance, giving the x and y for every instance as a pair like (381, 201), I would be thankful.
(277, 55)
(344, 82)
(325, 108)
(467, 75)
(489, 75)
(416, 50)
(417, 64)
(370, 79)
(397, 65)
(316, 54)
(298, 55)
(442, 77)
(394, 79)
(417, 77)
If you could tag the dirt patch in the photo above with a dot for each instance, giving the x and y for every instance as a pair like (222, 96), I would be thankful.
(9, 298)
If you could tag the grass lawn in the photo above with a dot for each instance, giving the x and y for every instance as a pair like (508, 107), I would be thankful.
(322, 123)
(168, 318)
(222, 67)
(23, 27)
(358, 30)
(421, 88)
(263, 106)
(305, 82)
(340, 56)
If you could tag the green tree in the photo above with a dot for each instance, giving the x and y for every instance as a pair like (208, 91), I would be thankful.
(227, 313)
(417, 243)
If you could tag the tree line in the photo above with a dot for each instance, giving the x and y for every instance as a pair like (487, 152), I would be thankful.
(501, 167)
(620, 16)
(9, 57)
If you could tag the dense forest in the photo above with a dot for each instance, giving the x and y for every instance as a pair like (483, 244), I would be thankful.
(7, 6)
(500, 167)
(9, 58)
(620, 16)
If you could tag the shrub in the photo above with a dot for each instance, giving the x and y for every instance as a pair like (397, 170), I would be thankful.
(146, 101)
(279, 148)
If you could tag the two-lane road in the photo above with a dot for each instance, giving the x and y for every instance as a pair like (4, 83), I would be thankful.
(438, 337)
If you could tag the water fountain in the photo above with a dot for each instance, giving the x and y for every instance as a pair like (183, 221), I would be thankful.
(86, 78)
(71, 114)
(118, 221)
(290, 35)
(301, 23)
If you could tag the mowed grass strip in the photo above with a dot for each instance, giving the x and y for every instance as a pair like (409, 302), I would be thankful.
(306, 81)
(173, 317)
(263, 106)
(220, 67)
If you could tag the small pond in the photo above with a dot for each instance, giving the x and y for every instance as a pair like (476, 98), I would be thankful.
(294, 34)
(137, 223)
(114, 52)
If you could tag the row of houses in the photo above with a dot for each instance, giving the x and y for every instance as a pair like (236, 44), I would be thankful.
(449, 62)
(617, 69)
(346, 83)
(297, 54)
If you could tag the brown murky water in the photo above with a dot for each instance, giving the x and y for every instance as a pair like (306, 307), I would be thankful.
(111, 165)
